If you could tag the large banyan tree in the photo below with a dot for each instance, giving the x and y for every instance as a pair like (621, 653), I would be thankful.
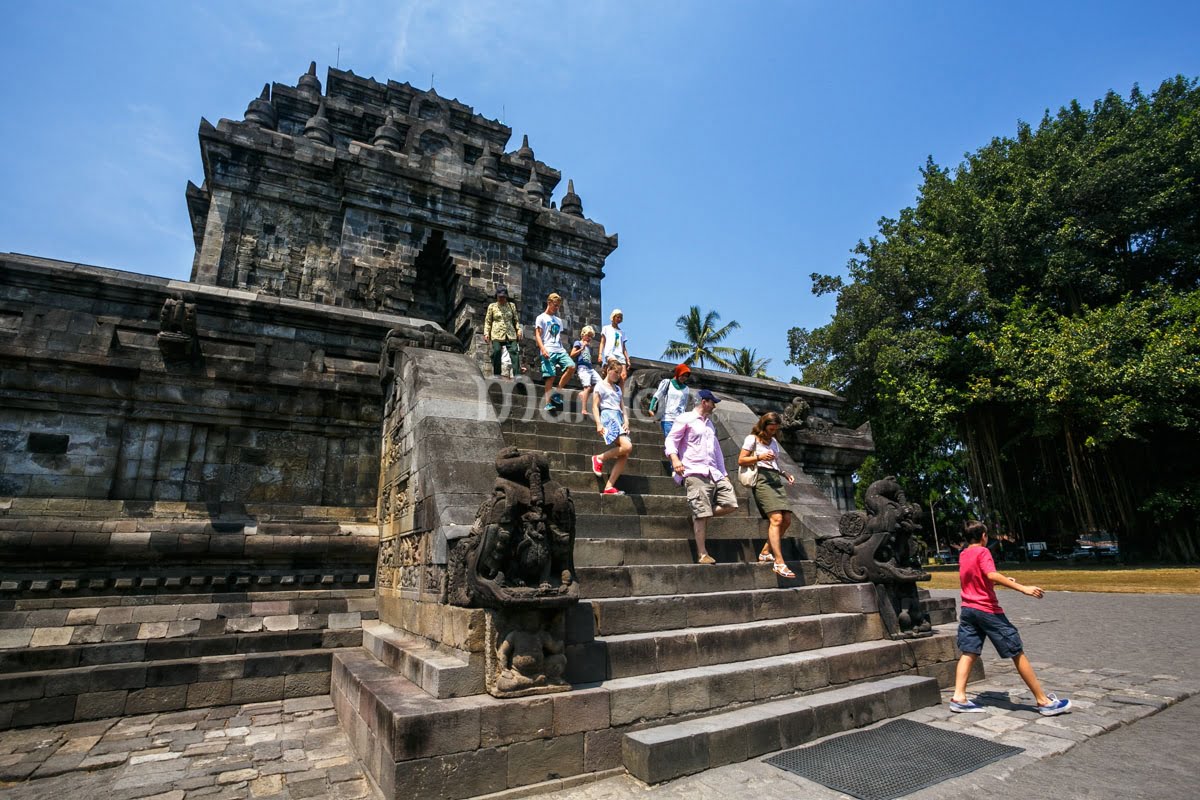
(1031, 328)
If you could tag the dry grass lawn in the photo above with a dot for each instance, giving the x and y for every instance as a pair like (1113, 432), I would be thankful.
(1134, 580)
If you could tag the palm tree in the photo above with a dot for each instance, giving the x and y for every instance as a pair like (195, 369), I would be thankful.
(702, 339)
(747, 362)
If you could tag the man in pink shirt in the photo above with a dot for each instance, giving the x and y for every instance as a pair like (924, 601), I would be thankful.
(982, 616)
(699, 465)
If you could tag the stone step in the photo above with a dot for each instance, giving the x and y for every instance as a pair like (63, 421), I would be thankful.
(941, 610)
(632, 526)
(467, 746)
(111, 690)
(626, 552)
(672, 504)
(572, 426)
(630, 551)
(683, 648)
(68, 637)
(190, 601)
(640, 462)
(659, 754)
(581, 481)
(620, 615)
(646, 580)
(439, 670)
(26, 659)
(584, 439)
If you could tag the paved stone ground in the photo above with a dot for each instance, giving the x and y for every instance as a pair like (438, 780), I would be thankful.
(1121, 658)
(284, 749)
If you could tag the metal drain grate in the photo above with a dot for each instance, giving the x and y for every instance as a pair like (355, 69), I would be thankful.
(890, 761)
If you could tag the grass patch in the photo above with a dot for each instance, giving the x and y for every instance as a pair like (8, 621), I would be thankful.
(1115, 578)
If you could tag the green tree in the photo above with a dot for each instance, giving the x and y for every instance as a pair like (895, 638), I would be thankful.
(1030, 328)
(746, 362)
(702, 340)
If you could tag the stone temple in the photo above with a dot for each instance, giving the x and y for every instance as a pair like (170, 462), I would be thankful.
(289, 476)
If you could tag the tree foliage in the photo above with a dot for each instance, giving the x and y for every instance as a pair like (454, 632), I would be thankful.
(1030, 327)
(702, 340)
(746, 362)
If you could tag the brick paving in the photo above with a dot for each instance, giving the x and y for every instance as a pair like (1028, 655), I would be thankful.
(276, 750)
(1112, 655)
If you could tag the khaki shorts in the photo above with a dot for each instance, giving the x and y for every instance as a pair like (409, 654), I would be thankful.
(702, 492)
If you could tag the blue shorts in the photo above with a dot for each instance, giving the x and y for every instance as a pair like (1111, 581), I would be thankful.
(974, 624)
(613, 422)
(587, 375)
(554, 362)
(666, 427)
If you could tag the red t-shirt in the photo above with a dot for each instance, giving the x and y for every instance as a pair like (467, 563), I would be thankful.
(974, 564)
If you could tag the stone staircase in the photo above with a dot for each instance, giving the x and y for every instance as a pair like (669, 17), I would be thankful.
(676, 667)
(124, 629)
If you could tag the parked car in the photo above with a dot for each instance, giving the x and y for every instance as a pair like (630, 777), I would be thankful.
(1097, 553)
(1096, 544)
(945, 557)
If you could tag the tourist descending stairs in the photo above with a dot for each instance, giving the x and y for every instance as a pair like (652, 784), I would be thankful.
(676, 667)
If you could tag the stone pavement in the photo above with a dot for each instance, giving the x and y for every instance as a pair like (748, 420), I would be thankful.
(1118, 657)
(283, 749)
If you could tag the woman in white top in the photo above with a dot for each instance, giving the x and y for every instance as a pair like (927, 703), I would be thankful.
(611, 424)
(761, 450)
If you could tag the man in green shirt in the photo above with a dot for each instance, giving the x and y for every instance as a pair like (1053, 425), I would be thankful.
(500, 327)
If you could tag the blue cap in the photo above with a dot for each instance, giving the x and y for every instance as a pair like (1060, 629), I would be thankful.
(705, 394)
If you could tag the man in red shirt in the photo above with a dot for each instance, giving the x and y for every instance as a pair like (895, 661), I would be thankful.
(982, 616)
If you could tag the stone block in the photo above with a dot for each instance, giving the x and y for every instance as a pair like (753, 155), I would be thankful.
(602, 749)
(96, 679)
(642, 699)
(796, 727)
(653, 757)
(846, 709)
(723, 609)
(155, 699)
(689, 696)
(545, 759)
(100, 705)
(286, 622)
(172, 673)
(152, 630)
(448, 730)
(452, 777)
(839, 629)
(257, 690)
(582, 710)
(121, 632)
(114, 616)
(155, 613)
(44, 711)
(810, 674)
(805, 634)
(209, 693)
(21, 687)
(82, 615)
(306, 684)
(113, 652)
(505, 722)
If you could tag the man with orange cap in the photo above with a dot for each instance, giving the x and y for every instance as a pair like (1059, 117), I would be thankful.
(672, 397)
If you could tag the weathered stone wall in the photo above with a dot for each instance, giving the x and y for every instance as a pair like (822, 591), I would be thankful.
(280, 403)
(440, 441)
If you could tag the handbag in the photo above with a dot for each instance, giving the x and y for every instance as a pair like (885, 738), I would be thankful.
(748, 476)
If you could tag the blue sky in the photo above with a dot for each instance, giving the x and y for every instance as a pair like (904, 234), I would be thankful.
(735, 147)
